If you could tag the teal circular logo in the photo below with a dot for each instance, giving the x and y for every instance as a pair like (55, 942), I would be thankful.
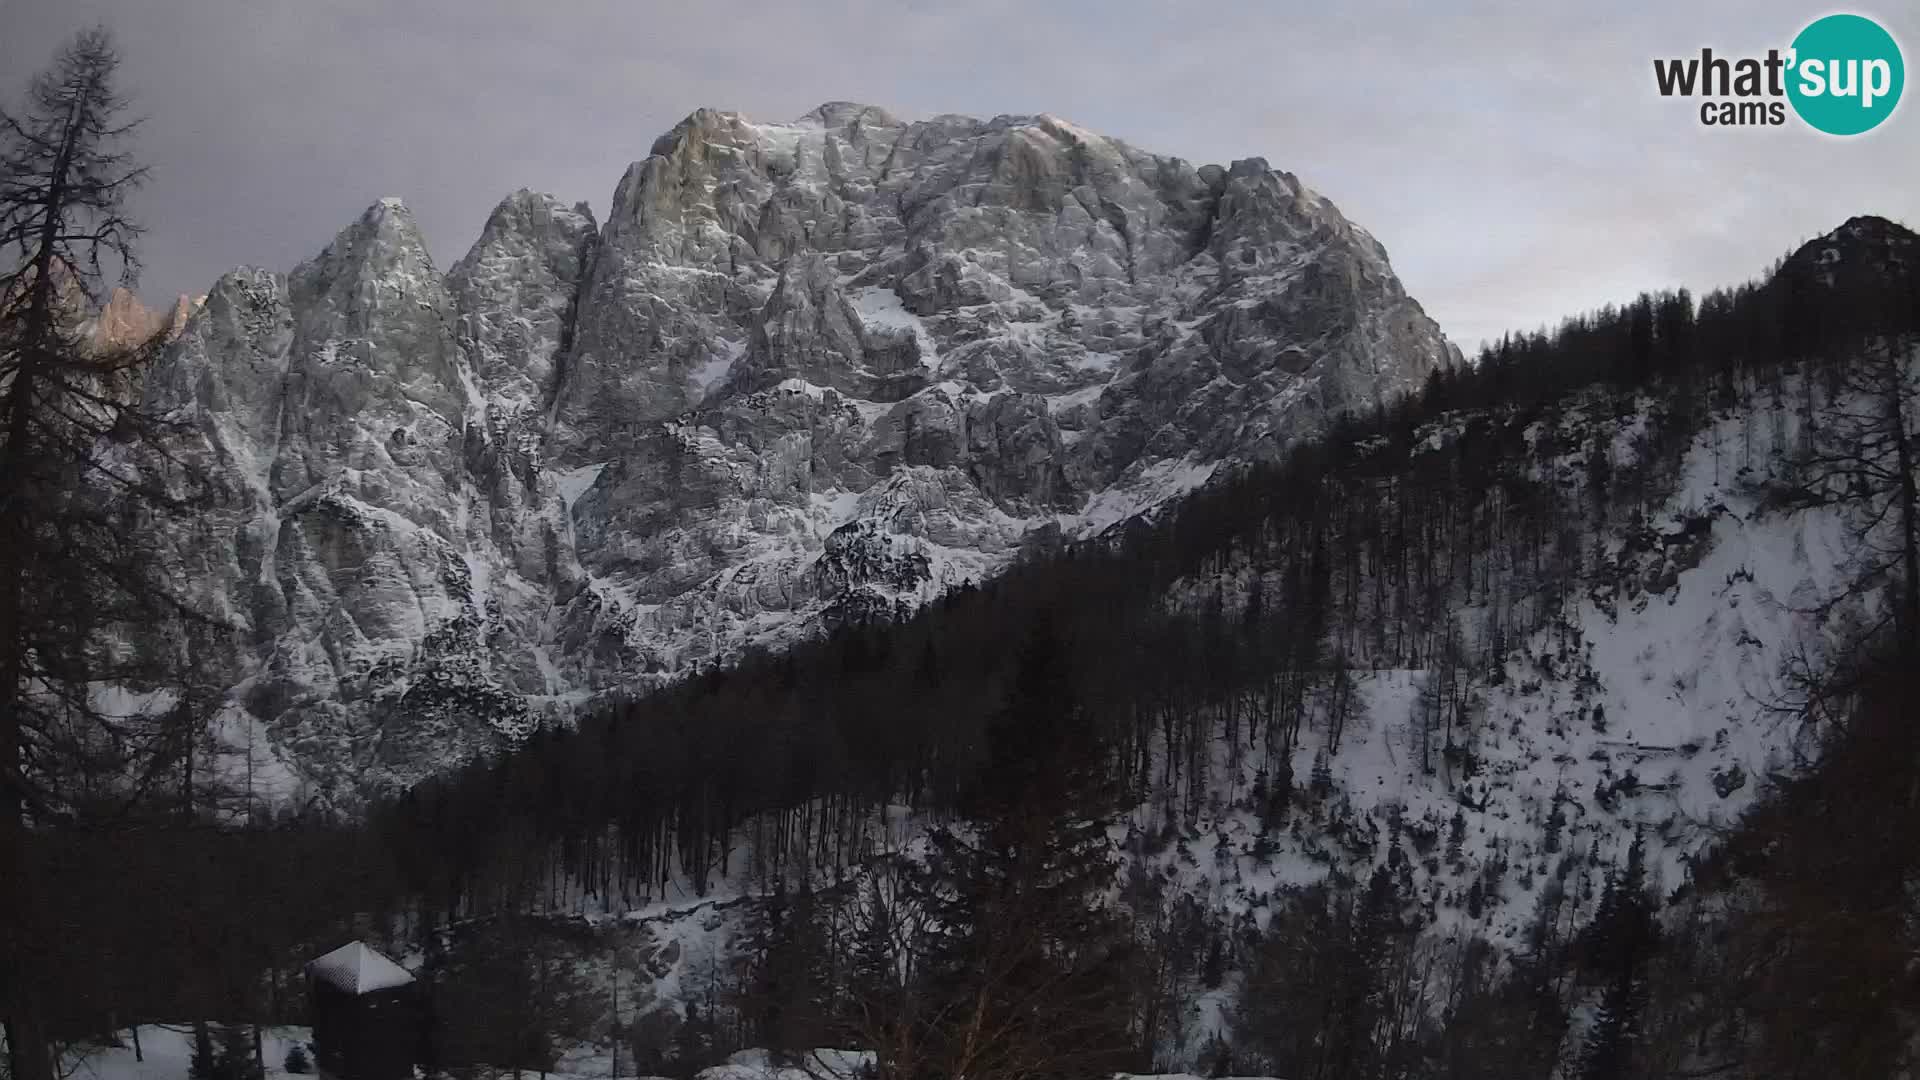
(1845, 74)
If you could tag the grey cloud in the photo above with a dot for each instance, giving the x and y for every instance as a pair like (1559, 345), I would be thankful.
(1515, 161)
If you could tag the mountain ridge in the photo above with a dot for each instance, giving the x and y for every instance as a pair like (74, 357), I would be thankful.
(804, 373)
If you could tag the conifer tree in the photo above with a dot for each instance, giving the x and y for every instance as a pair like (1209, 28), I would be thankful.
(1620, 942)
(786, 1004)
(235, 1053)
(1024, 976)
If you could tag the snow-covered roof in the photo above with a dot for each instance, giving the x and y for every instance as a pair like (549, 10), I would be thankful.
(358, 970)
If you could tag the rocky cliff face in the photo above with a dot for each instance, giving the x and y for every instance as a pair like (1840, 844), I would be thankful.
(804, 372)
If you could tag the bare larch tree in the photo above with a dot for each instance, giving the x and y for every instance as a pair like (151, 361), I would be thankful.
(82, 480)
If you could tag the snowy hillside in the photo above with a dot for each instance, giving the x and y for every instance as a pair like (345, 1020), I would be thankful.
(1644, 696)
(1655, 706)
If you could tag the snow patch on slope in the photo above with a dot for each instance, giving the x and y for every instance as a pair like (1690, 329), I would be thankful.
(573, 483)
(1154, 486)
(713, 371)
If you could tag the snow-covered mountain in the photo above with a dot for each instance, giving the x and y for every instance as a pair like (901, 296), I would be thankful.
(805, 372)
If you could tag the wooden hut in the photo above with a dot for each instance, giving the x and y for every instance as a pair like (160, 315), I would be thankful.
(367, 1013)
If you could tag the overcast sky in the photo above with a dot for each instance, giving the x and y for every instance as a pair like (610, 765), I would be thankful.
(1515, 160)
